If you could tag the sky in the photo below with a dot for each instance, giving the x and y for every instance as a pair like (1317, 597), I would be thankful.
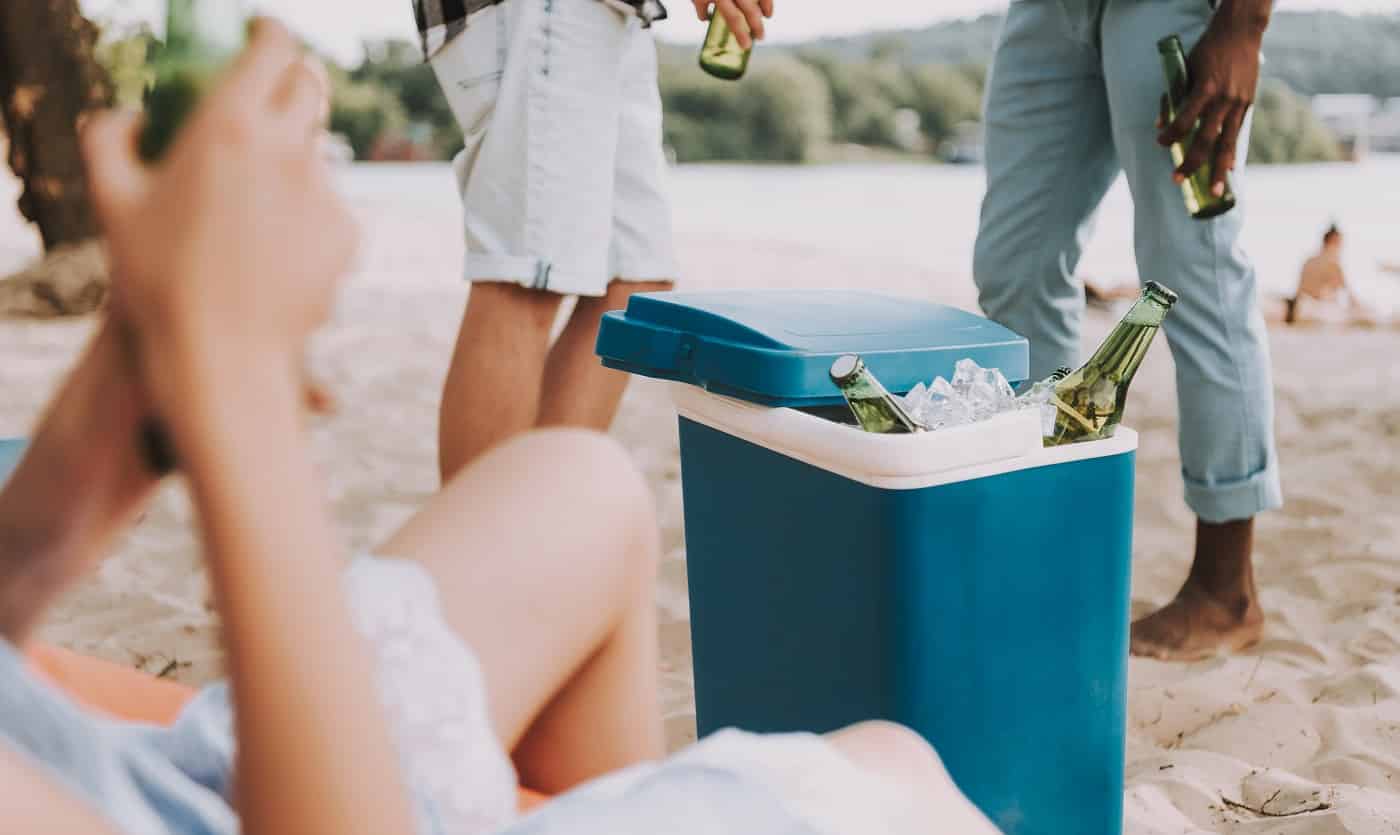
(338, 26)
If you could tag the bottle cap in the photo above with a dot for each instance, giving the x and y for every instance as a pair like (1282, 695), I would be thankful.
(1162, 293)
(1170, 44)
(846, 367)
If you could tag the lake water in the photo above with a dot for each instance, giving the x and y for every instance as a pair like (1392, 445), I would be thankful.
(924, 217)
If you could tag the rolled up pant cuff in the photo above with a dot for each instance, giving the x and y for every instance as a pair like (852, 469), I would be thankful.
(1233, 500)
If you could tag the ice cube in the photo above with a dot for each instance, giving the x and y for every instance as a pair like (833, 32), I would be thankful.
(974, 394)
(1038, 397)
(916, 398)
(986, 391)
(944, 406)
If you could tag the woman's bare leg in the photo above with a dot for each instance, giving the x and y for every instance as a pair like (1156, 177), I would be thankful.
(544, 553)
(45, 805)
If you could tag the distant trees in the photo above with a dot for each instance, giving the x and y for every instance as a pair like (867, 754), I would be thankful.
(780, 113)
(909, 92)
(791, 107)
(1285, 129)
(393, 94)
(870, 100)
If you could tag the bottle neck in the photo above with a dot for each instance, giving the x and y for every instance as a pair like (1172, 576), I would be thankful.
(1122, 352)
(204, 29)
(1178, 82)
(864, 386)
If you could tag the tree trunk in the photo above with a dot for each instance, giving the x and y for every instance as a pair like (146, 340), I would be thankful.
(48, 76)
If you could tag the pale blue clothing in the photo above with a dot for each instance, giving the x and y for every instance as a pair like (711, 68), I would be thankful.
(148, 780)
(143, 779)
(1072, 99)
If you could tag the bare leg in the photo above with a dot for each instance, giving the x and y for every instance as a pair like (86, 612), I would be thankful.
(579, 391)
(544, 552)
(1217, 609)
(493, 386)
(29, 793)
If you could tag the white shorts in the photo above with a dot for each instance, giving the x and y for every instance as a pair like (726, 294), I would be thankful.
(562, 176)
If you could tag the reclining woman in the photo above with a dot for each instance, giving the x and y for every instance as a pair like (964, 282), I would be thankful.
(384, 698)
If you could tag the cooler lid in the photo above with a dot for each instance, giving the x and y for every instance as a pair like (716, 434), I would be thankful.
(775, 347)
(10, 451)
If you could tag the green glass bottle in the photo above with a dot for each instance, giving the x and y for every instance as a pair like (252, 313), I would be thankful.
(201, 36)
(721, 56)
(1089, 402)
(1200, 201)
(876, 410)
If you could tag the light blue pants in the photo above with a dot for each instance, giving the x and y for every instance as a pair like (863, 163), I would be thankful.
(1072, 99)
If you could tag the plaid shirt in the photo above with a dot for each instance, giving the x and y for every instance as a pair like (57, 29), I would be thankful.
(439, 21)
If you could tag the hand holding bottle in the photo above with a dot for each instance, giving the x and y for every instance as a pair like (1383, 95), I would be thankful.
(1224, 71)
(745, 17)
(238, 238)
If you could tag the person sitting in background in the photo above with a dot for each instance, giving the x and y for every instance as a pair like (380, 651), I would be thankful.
(1323, 279)
(407, 694)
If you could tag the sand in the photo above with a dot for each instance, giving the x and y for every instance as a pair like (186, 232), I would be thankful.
(1300, 736)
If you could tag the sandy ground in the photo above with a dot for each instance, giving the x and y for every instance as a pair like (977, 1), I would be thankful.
(1300, 736)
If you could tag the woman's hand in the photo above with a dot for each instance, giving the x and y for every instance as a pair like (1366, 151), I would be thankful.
(238, 238)
(745, 17)
(225, 257)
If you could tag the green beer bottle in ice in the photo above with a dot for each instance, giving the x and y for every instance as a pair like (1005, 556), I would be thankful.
(1200, 201)
(1089, 402)
(200, 38)
(722, 56)
(876, 410)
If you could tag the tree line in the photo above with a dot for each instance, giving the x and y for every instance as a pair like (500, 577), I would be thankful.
(907, 92)
(801, 105)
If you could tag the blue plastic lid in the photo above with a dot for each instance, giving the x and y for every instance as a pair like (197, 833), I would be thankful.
(775, 347)
(10, 451)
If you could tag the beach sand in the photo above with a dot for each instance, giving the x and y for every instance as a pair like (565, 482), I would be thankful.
(1309, 720)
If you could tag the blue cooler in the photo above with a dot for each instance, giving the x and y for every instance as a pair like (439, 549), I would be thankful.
(967, 583)
(10, 451)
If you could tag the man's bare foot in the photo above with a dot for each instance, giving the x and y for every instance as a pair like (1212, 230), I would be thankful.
(1217, 609)
(1196, 626)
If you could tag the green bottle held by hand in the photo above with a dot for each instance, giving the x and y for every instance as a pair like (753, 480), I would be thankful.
(722, 56)
(1201, 202)
(201, 37)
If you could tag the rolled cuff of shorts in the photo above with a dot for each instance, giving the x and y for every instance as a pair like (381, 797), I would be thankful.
(1232, 500)
(539, 274)
(648, 271)
(532, 273)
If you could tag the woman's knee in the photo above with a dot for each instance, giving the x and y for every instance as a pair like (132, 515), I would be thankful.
(595, 474)
(891, 750)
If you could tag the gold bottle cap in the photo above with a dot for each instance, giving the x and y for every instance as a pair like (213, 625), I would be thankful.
(1160, 292)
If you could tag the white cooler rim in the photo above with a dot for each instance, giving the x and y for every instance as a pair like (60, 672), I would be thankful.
(1004, 444)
